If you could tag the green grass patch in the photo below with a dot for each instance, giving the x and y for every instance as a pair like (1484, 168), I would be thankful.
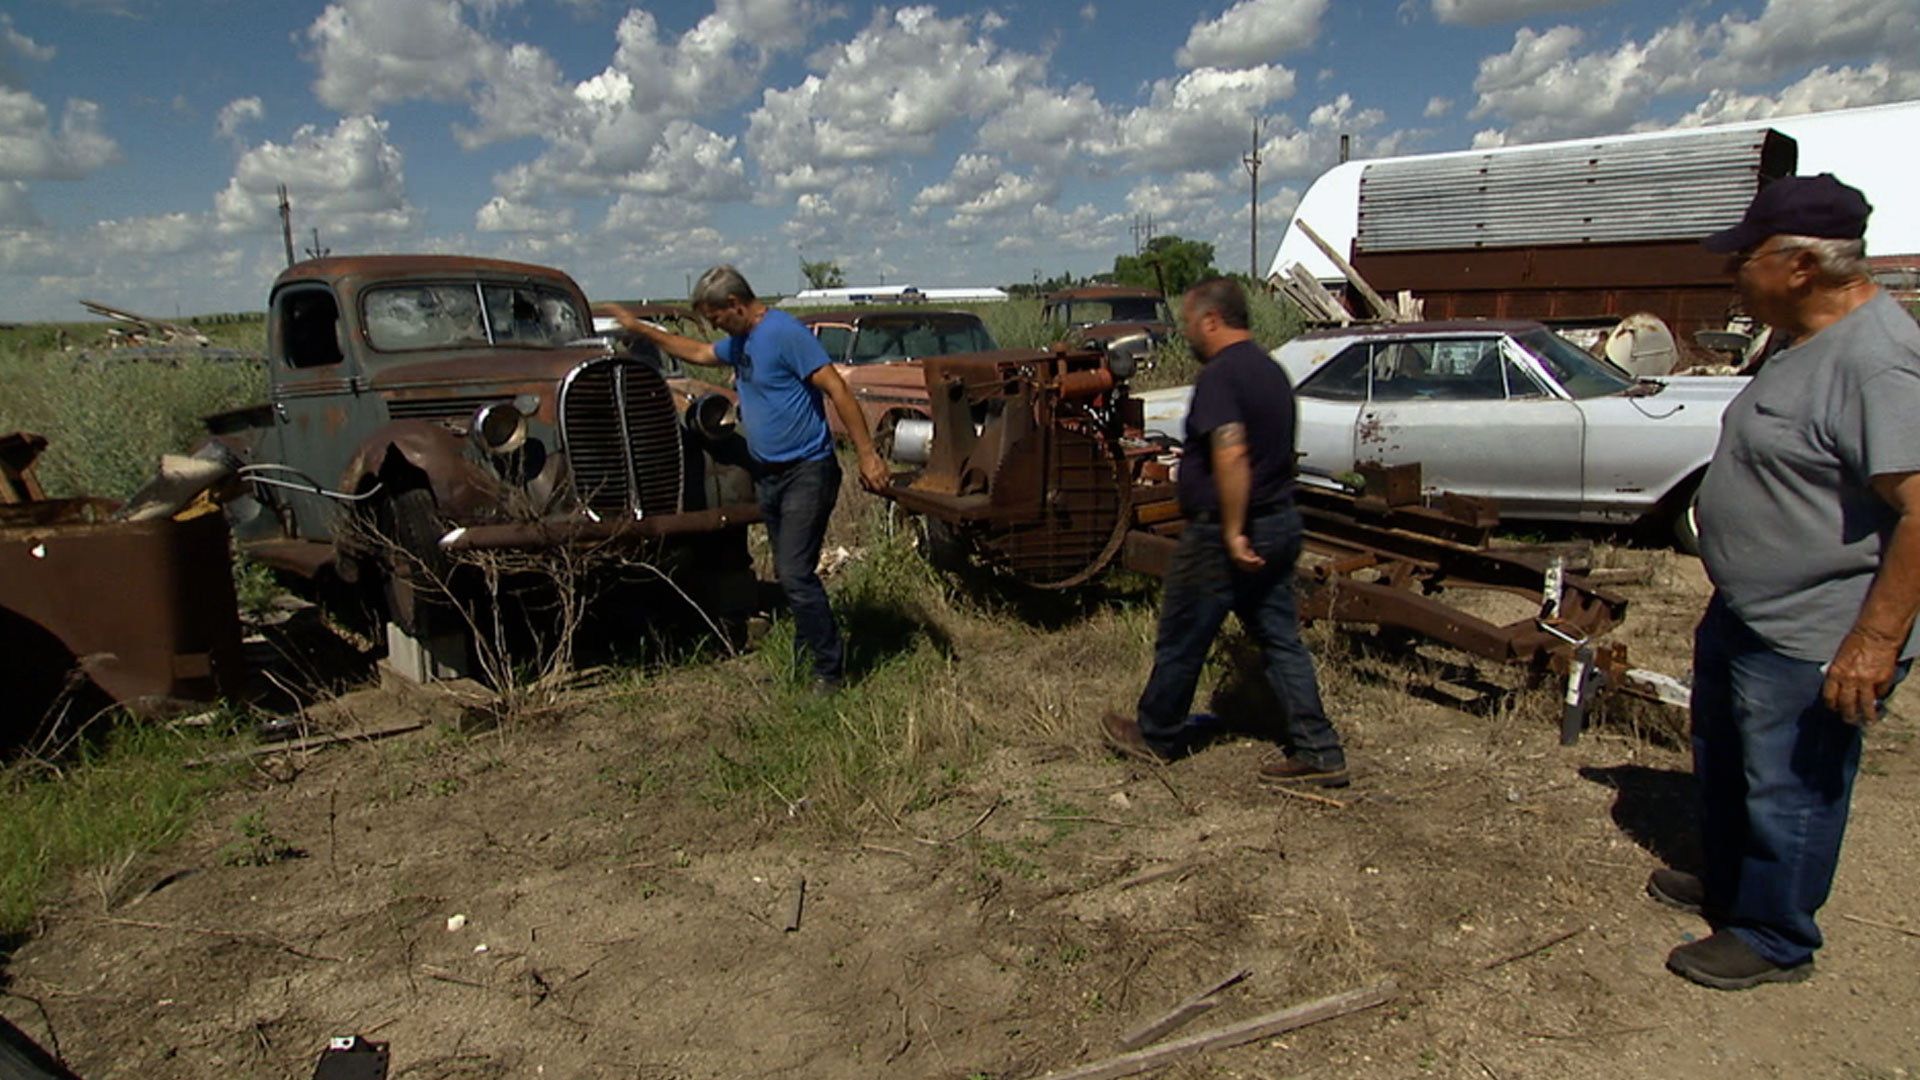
(126, 794)
(895, 737)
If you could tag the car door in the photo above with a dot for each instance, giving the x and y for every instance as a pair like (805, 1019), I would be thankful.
(1330, 399)
(320, 410)
(1478, 419)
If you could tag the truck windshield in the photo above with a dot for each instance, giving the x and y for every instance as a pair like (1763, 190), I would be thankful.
(470, 316)
(886, 338)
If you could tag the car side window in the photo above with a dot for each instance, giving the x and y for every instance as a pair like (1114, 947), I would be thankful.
(1440, 369)
(835, 340)
(1401, 370)
(1343, 378)
(309, 328)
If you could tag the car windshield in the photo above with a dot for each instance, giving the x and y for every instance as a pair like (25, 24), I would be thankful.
(1581, 375)
(1119, 309)
(470, 315)
(879, 340)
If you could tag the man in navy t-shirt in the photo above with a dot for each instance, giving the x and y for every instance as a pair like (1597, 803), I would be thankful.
(1242, 538)
(784, 378)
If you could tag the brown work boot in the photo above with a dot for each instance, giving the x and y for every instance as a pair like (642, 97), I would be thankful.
(1123, 735)
(1725, 962)
(1677, 889)
(1292, 770)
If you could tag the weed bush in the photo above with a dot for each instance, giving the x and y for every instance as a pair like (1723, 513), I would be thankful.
(107, 421)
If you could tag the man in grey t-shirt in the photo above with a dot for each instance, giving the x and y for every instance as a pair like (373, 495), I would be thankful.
(1810, 530)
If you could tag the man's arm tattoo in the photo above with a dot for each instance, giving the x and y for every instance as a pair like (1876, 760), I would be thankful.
(1227, 436)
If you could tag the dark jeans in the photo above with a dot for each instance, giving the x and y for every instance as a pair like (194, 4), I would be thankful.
(1201, 586)
(1776, 769)
(796, 501)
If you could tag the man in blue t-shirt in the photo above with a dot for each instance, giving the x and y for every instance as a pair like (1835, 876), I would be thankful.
(784, 379)
(1237, 551)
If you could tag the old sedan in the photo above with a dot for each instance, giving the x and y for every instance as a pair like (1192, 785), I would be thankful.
(1504, 409)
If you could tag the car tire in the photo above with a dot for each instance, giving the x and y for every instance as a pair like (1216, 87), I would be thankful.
(1686, 523)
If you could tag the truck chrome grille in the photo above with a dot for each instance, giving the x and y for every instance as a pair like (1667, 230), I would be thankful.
(622, 438)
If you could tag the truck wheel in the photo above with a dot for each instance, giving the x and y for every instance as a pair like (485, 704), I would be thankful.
(417, 572)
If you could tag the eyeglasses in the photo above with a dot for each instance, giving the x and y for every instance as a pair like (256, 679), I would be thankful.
(1741, 259)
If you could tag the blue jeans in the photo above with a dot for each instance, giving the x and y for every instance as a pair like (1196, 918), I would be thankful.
(1775, 768)
(795, 502)
(1201, 587)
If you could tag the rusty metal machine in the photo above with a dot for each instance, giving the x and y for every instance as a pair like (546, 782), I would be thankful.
(144, 610)
(1038, 467)
(1028, 462)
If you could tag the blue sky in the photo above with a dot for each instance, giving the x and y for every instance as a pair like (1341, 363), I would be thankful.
(937, 144)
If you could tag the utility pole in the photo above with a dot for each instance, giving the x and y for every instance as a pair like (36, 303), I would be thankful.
(1252, 162)
(286, 223)
(316, 251)
(1142, 234)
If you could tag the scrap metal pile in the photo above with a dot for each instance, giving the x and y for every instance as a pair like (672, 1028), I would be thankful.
(1039, 468)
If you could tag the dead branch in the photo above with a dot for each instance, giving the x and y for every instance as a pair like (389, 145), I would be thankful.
(1246, 1031)
(1181, 1014)
(1882, 925)
(311, 742)
(963, 833)
(1309, 796)
(1524, 953)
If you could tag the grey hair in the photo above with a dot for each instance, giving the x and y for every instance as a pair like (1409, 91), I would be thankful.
(719, 285)
(1837, 260)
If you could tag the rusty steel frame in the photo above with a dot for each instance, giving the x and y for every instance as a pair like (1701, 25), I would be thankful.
(1381, 565)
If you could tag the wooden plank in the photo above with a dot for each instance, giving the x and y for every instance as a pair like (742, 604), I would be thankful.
(1359, 283)
(1332, 304)
(1313, 297)
(1246, 1031)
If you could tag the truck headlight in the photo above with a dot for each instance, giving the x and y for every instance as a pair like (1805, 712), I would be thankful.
(500, 428)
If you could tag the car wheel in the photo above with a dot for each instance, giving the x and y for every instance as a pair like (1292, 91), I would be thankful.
(1686, 523)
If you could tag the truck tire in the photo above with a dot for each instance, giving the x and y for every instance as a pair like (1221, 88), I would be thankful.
(417, 573)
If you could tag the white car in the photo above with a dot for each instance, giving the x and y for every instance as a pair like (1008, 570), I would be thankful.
(1504, 409)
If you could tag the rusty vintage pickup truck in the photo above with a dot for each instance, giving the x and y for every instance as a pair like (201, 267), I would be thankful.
(453, 404)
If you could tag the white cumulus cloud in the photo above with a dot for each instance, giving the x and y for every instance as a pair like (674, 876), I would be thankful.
(349, 180)
(1252, 32)
(903, 79)
(1198, 121)
(236, 114)
(1489, 12)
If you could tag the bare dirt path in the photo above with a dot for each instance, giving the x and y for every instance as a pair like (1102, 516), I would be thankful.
(619, 924)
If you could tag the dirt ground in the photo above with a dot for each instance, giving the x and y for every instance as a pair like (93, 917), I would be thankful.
(614, 924)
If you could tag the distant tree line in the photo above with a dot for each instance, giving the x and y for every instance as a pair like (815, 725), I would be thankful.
(1169, 263)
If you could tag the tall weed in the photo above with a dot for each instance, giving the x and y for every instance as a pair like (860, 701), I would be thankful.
(108, 420)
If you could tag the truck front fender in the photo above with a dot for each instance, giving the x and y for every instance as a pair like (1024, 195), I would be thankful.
(460, 486)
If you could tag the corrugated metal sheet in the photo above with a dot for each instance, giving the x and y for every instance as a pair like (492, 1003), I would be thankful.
(1589, 193)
